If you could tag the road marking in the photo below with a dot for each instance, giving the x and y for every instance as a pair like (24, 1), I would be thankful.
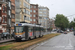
(69, 46)
(59, 47)
(66, 47)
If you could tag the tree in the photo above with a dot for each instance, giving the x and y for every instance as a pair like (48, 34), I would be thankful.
(61, 21)
(71, 24)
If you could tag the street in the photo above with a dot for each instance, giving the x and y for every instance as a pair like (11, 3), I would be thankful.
(61, 42)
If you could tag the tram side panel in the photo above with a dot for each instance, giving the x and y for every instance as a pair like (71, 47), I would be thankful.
(31, 35)
(37, 32)
(34, 32)
(42, 31)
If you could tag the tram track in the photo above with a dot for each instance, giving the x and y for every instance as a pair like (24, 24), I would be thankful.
(25, 44)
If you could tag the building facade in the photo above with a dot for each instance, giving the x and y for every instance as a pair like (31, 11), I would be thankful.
(9, 16)
(43, 16)
(12, 15)
(34, 13)
(17, 10)
(24, 11)
(5, 16)
(52, 24)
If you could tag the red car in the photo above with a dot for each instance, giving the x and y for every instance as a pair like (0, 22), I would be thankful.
(65, 32)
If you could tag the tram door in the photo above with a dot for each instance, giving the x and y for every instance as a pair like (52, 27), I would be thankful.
(40, 31)
(26, 32)
(34, 33)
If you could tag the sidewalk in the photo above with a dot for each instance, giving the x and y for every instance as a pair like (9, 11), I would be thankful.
(6, 40)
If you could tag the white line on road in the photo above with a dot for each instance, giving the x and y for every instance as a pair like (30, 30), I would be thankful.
(66, 47)
(69, 46)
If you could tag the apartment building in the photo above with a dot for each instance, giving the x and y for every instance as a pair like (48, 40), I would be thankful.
(24, 10)
(5, 16)
(12, 15)
(52, 24)
(34, 13)
(43, 16)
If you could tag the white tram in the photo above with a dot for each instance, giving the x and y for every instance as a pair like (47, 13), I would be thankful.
(25, 31)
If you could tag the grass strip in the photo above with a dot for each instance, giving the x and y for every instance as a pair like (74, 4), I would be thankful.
(25, 44)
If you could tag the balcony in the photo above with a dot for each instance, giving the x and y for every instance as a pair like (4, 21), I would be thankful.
(13, 11)
(8, 7)
(13, 20)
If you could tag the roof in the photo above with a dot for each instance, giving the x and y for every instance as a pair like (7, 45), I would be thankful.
(26, 24)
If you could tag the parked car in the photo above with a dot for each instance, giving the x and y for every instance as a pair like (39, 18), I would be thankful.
(65, 32)
(60, 31)
(5, 34)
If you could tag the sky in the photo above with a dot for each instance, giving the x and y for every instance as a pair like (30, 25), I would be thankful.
(65, 7)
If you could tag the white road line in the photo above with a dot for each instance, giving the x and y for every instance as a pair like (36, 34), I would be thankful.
(69, 46)
(66, 47)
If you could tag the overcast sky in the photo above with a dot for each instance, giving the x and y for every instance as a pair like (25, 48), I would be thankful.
(65, 7)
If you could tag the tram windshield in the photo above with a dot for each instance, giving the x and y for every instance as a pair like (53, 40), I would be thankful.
(18, 29)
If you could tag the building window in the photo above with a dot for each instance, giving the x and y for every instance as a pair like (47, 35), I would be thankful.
(13, 16)
(13, 7)
(3, 19)
(9, 21)
(30, 6)
(44, 15)
(40, 9)
(44, 12)
(3, 9)
(34, 20)
(0, 13)
(40, 14)
(30, 15)
(40, 17)
(24, 4)
(34, 6)
(34, 15)
(44, 9)
(12, 24)
(9, 12)
(30, 10)
(24, 10)
(34, 11)
(30, 19)
(0, 19)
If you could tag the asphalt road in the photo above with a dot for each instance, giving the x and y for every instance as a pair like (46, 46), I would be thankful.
(61, 42)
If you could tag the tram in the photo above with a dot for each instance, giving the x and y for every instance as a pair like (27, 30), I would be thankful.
(25, 31)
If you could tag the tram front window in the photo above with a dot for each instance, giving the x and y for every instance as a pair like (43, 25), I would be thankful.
(18, 29)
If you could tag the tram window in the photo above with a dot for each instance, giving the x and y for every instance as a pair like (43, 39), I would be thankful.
(30, 29)
(19, 29)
